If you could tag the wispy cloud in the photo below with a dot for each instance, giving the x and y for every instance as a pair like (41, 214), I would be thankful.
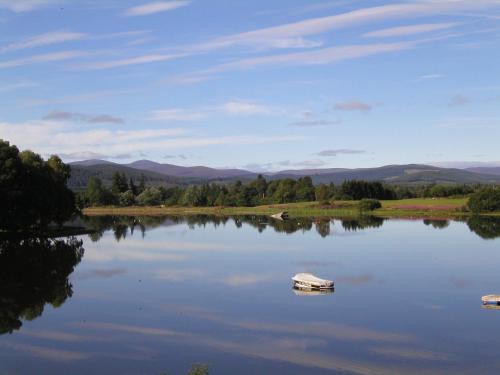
(315, 57)
(342, 151)
(354, 105)
(137, 60)
(80, 117)
(19, 6)
(89, 155)
(45, 58)
(233, 108)
(244, 108)
(46, 39)
(429, 77)
(176, 114)
(410, 30)
(17, 86)
(293, 34)
(155, 7)
(49, 137)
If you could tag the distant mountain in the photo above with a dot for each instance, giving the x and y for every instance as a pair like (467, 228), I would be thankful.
(408, 174)
(91, 162)
(191, 172)
(308, 172)
(169, 174)
(80, 174)
(485, 170)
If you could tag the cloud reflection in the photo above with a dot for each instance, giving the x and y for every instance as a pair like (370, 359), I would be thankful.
(47, 353)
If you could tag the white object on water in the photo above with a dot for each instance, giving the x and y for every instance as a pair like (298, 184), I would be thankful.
(491, 299)
(309, 281)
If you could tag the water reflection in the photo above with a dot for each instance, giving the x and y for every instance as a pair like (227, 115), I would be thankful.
(122, 226)
(485, 227)
(34, 272)
(437, 223)
(125, 225)
(302, 292)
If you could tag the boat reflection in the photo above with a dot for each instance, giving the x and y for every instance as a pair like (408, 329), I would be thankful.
(302, 292)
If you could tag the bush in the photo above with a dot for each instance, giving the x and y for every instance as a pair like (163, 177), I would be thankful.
(126, 199)
(151, 196)
(369, 204)
(485, 200)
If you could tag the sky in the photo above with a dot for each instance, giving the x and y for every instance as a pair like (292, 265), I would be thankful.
(261, 85)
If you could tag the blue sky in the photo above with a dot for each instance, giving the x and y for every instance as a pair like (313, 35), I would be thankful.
(280, 84)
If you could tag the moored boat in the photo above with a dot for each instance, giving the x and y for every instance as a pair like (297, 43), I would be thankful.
(309, 281)
(491, 299)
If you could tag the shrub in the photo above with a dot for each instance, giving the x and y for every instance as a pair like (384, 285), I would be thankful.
(151, 196)
(126, 199)
(369, 204)
(485, 200)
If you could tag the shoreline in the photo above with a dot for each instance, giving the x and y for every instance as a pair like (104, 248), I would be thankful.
(408, 208)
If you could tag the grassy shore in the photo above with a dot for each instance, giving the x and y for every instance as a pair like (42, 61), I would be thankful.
(420, 207)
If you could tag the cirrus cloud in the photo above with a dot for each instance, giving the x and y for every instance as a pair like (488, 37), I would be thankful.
(155, 7)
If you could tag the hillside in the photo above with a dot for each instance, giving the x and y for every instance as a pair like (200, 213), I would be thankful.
(81, 173)
(198, 172)
(487, 170)
(409, 174)
(169, 174)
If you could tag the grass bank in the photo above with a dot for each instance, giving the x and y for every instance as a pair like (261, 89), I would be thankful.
(419, 207)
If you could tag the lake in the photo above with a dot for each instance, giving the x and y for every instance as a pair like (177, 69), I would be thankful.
(160, 295)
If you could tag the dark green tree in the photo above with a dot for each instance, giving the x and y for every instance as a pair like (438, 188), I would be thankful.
(119, 183)
(33, 192)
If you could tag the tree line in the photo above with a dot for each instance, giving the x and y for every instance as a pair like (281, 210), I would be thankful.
(127, 192)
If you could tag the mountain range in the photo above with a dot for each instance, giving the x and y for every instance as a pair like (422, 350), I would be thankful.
(170, 174)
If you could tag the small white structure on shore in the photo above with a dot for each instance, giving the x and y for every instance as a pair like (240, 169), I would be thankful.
(309, 281)
(280, 215)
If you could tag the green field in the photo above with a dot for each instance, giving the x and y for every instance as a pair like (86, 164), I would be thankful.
(429, 207)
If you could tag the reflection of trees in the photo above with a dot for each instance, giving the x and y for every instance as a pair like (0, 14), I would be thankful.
(437, 224)
(34, 272)
(120, 225)
(362, 222)
(486, 227)
(323, 227)
(123, 225)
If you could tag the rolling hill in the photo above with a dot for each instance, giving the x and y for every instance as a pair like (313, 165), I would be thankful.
(198, 172)
(485, 170)
(169, 174)
(80, 174)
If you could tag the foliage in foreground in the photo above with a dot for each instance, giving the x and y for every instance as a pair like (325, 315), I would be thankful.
(33, 192)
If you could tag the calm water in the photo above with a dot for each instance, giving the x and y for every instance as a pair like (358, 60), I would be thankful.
(155, 296)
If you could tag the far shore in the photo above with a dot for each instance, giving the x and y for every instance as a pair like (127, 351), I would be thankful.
(406, 208)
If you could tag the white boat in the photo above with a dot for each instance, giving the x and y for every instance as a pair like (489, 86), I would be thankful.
(491, 299)
(309, 281)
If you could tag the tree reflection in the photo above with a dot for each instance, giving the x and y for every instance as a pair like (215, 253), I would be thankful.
(122, 226)
(362, 222)
(486, 227)
(436, 223)
(34, 272)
